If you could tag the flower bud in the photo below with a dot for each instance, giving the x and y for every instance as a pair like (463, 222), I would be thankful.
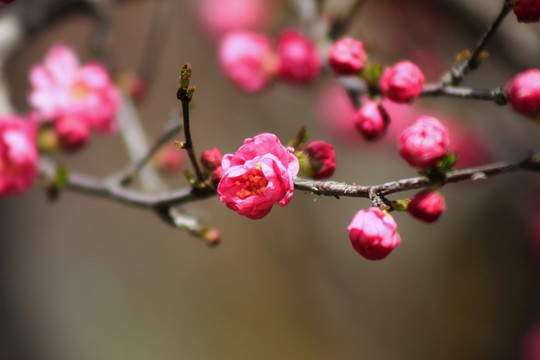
(168, 159)
(73, 132)
(371, 120)
(211, 159)
(322, 158)
(523, 92)
(247, 60)
(298, 58)
(402, 82)
(347, 56)
(373, 233)
(217, 175)
(427, 206)
(211, 236)
(424, 143)
(527, 11)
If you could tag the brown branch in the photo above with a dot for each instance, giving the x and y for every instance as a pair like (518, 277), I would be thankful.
(458, 72)
(94, 187)
(496, 95)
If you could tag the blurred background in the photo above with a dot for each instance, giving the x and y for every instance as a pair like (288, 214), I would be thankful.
(85, 278)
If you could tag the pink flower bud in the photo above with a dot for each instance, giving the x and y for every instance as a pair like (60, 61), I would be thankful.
(298, 58)
(322, 158)
(424, 143)
(222, 16)
(247, 60)
(211, 236)
(402, 82)
(168, 159)
(427, 206)
(18, 155)
(211, 159)
(371, 120)
(527, 11)
(523, 92)
(259, 175)
(216, 176)
(72, 131)
(347, 56)
(373, 233)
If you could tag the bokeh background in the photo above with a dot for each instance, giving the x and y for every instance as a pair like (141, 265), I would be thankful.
(85, 278)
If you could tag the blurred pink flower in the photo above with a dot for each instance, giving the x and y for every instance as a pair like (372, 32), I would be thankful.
(61, 87)
(424, 143)
(371, 120)
(257, 176)
(169, 158)
(247, 60)
(18, 155)
(373, 233)
(72, 132)
(218, 17)
(347, 56)
(523, 92)
(402, 83)
(298, 58)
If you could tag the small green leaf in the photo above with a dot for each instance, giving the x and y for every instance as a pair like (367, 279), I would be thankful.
(299, 139)
(446, 163)
(372, 73)
(185, 76)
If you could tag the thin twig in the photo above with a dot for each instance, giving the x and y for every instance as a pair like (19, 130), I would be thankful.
(496, 95)
(127, 176)
(458, 72)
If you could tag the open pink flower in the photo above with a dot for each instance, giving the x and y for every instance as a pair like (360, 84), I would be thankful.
(247, 60)
(373, 233)
(18, 155)
(259, 175)
(61, 87)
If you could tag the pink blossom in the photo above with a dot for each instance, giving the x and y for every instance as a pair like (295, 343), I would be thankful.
(61, 87)
(530, 344)
(257, 176)
(527, 11)
(427, 205)
(18, 155)
(211, 159)
(298, 58)
(216, 176)
(72, 132)
(424, 143)
(221, 16)
(247, 60)
(322, 159)
(347, 56)
(169, 159)
(373, 233)
(523, 92)
(371, 120)
(402, 82)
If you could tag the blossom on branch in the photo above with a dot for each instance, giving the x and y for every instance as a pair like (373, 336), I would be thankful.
(298, 58)
(523, 92)
(322, 159)
(61, 87)
(259, 175)
(427, 205)
(18, 155)
(347, 56)
(247, 60)
(424, 143)
(371, 120)
(373, 233)
(402, 83)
